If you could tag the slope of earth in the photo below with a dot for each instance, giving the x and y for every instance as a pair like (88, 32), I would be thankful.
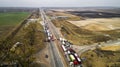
(102, 58)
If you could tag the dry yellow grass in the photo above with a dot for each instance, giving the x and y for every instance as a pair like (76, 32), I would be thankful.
(111, 48)
(96, 27)
(82, 22)
(73, 33)
(92, 60)
(98, 58)
(64, 14)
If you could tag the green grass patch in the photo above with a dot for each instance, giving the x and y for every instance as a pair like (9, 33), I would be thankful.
(12, 18)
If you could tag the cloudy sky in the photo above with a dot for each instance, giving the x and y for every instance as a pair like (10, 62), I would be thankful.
(58, 3)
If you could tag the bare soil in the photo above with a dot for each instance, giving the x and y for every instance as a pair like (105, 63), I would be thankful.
(102, 24)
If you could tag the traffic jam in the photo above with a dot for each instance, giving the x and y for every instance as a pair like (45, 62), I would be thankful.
(71, 56)
(48, 33)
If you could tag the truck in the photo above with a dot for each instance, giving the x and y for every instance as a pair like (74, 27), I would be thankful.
(78, 60)
(63, 47)
(72, 51)
(72, 58)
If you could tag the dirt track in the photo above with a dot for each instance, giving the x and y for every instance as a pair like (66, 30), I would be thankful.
(40, 57)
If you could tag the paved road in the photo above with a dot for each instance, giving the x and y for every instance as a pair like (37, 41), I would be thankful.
(56, 60)
(86, 48)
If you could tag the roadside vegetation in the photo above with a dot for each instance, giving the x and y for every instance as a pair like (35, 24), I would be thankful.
(30, 35)
(101, 58)
(31, 39)
(77, 35)
(113, 33)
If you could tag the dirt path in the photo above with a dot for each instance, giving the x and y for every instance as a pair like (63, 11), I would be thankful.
(41, 59)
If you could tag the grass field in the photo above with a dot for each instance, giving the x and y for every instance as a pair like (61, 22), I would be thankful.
(77, 35)
(10, 20)
(30, 35)
(71, 32)
(101, 58)
(111, 48)
(32, 38)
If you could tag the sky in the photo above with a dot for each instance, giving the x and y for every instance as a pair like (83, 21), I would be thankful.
(59, 3)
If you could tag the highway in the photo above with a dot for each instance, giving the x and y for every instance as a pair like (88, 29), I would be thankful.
(56, 60)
